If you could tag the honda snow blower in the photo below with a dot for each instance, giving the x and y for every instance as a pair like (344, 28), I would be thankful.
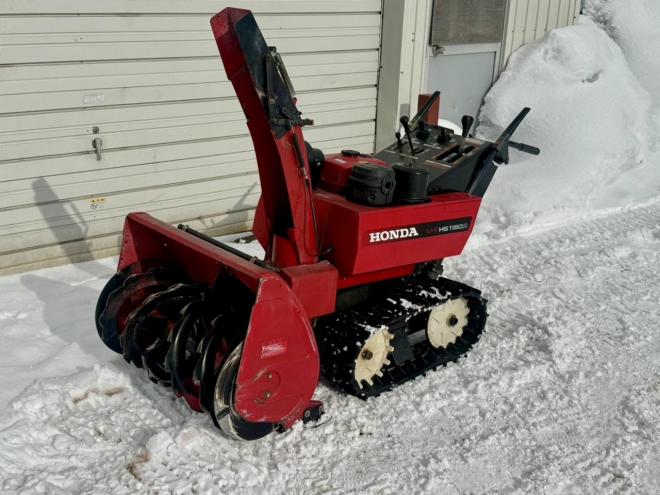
(351, 285)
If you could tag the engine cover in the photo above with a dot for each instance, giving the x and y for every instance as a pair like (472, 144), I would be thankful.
(371, 184)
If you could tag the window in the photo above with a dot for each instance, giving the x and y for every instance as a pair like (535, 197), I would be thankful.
(457, 22)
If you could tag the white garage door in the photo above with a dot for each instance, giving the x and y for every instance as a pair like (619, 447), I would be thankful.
(144, 77)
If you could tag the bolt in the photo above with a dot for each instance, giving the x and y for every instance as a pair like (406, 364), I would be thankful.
(269, 375)
(367, 354)
(267, 394)
(307, 413)
(95, 129)
(452, 321)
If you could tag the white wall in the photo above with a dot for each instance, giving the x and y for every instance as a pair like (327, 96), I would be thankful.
(403, 70)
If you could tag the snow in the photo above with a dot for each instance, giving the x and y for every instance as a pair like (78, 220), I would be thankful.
(591, 118)
(636, 31)
(561, 395)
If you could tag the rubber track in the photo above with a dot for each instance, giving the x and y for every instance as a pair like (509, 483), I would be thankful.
(341, 336)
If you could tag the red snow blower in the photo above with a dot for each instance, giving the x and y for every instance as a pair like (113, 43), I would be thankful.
(351, 285)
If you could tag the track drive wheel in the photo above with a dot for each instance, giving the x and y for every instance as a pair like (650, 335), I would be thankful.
(447, 322)
(373, 357)
(224, 413)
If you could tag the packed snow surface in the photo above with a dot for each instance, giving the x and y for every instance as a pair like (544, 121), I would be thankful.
(561, 395)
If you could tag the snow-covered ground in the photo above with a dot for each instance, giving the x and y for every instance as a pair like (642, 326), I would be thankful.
(561, 395)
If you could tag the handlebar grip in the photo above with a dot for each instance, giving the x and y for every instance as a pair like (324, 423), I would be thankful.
(525, 148)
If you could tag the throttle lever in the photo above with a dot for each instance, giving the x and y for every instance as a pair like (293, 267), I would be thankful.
(405, 121)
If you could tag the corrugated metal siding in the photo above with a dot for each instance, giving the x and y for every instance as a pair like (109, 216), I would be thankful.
(148, 75)
(529, 20)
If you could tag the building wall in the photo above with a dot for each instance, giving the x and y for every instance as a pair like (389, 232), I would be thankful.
(464, 71)
(145, 77)
(405, 35)
(529, 20)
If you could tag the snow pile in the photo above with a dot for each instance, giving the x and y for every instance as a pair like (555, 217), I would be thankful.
(591, 118)
(636, 28)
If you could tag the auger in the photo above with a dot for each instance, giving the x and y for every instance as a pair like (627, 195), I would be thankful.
(351, 283)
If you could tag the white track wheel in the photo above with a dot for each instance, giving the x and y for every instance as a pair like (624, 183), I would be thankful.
(447, 322)
(373, 356)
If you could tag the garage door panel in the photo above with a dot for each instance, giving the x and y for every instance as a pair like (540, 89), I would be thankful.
(234, 125)
(211, 63)
(70, 226)
(107, 245)
(177, 7)
(106, 181)
(175, 23)
(145, 77)
(211, 118)
(40, 190)
(215, 75)
(61, 123)
(155, 153)
(67, 230)
(48, 53)
(165, 93)
(64, 187)
(55, 211)
(119, 38)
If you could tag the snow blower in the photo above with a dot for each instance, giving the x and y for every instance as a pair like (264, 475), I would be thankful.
(351, 284)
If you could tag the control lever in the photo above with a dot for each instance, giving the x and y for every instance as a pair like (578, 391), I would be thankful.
(422, 130)
(467, 122)
(399, 143)
(417, 122)
(525, 148)
(406, 127)
(445, 136)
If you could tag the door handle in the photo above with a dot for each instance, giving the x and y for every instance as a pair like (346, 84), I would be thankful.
(97, 144)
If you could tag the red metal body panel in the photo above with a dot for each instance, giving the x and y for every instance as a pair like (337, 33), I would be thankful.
(285, 191)
(280, 364)
(280, 340)
(146, 239)
(315, 286)
(345, 229)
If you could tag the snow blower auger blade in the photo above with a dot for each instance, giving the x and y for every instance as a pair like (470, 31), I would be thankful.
(234, 303)
(126, 293)
(146, 339)
(353, 246)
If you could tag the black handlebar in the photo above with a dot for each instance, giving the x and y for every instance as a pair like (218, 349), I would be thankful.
(525, 148)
